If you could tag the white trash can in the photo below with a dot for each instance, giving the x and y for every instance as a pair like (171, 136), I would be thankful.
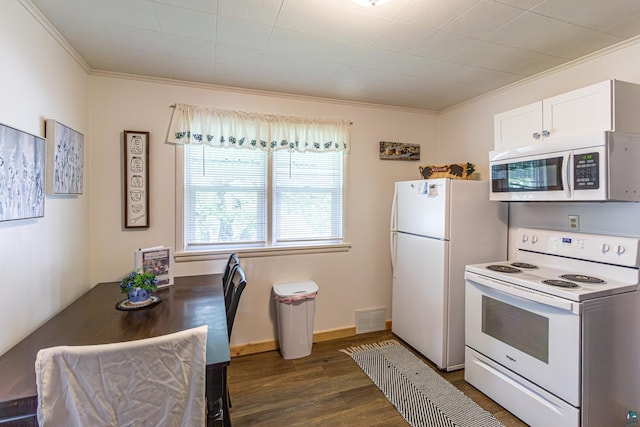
(295, 308)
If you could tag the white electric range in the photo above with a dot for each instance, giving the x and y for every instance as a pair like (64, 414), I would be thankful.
(547, 334)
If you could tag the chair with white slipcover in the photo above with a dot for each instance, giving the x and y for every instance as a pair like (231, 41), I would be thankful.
(157, 381)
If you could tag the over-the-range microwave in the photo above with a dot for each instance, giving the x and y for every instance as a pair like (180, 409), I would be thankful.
(600, 166)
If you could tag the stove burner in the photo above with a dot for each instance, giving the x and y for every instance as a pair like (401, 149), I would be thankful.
(582, 278)
(503, 268)
(560, 283)
(525, 265)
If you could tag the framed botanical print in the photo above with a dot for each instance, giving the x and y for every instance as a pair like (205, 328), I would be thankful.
(65, 159)
(22, 174)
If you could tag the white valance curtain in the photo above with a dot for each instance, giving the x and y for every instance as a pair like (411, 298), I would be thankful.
(225, 128)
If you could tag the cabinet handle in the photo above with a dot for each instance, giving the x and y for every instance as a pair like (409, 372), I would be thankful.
(545, 133)
(536, 135)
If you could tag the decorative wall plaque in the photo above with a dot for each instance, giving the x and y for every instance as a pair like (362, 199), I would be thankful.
(136, 179)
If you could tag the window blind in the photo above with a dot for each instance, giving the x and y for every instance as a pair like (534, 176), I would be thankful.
(225, 197)
(308, 202)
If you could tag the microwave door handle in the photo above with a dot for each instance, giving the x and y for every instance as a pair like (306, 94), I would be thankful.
(566, 176)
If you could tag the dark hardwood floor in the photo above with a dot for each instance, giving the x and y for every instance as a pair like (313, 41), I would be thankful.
(326, 388)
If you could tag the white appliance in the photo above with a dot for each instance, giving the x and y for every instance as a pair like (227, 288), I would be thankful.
(438, 226)
(596, 166)
(550, 336)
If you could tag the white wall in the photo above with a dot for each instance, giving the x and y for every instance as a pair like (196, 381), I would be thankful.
(44, 262)
(357, 279)
(469, 129)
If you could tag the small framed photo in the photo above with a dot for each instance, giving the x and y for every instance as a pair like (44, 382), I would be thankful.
(65, 159)
(158, 260)
(136, 179)
(399, 151)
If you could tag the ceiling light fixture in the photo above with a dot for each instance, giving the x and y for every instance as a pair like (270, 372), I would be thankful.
(370, 2)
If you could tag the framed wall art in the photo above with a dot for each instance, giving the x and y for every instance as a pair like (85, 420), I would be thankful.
(65, 159)
(399, 151)
(136, 179)
(22, 174)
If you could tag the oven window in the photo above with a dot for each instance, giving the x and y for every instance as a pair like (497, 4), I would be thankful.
(528, 175)
(518, 328)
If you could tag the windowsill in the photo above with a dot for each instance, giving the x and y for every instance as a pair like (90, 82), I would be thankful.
(260, 252)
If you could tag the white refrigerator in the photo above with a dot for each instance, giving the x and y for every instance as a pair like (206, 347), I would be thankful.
(437, 227)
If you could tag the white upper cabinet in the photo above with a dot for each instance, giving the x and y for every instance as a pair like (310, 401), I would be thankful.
(587, 109)
(609, 105)
(518, 126)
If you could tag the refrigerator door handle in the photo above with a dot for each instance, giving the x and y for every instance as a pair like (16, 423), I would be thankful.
(393, 240)
(393, 227)
(394, 212)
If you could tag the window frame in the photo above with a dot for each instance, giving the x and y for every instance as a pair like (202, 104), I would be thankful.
(182, 255)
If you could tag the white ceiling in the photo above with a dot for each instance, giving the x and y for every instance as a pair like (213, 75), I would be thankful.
(425, 54)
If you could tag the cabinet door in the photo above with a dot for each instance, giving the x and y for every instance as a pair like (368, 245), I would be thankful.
(579, 111)
(518, 126)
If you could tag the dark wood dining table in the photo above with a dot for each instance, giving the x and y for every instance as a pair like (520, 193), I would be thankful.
(93, 319)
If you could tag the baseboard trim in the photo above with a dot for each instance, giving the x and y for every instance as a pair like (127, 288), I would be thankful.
(270, 345)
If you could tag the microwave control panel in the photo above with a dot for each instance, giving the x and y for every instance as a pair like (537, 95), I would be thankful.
(586, 171)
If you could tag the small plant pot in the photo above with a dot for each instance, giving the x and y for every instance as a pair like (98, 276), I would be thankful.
(138, 295)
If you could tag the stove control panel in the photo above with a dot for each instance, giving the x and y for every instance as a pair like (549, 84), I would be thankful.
(616, 250)
(566, 242)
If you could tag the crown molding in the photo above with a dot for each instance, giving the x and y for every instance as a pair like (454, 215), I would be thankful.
(562, 67)
(48, 26)
(257, 92)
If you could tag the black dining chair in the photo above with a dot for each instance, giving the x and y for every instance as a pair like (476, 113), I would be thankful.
(231, 263)
(237, 283)
(234, 282)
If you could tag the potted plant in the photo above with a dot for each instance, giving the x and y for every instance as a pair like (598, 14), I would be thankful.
(139, 285)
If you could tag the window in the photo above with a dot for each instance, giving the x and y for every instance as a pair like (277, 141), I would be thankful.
(225, 201)
(308, 194)
(227, 204)
(254, 182)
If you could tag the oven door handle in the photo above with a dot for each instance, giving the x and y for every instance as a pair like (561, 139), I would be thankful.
(523, 293)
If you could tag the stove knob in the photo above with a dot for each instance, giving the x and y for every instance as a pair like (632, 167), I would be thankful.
(534, 239)
(525, 238)
(605, 248)
(620, 249)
